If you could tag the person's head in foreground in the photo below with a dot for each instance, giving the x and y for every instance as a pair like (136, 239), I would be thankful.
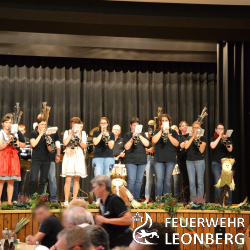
(78, 203)
(78, 216)
(98, 236)
(42, 212)
(159, 242)
(101, 186)
(73, 238)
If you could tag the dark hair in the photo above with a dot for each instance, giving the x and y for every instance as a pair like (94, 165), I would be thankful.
(169, 119)
(220, 124)
(107, 120)
(161, 231)
(75, 120)
(39, 120)
(98, 236)
(135, 119)
(43, 205)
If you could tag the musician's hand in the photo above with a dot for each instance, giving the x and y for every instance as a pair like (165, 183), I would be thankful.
(122, 155)
(162, 128)
(167, 131)
(151, 150)
(134, 134)
(182, 145)
(57, 159)
(42, 132)
(100, 220)
(195, 133)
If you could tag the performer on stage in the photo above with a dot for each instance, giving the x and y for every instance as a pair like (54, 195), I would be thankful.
(165, 155)
(182, 158)
(114, 215)
(9, 159)
(104, 140)
(40, 157)
(176, 176)
(118, 147)
(135, 158)
(219, 151)
(195, 162)
(73, 164)
(150, 165)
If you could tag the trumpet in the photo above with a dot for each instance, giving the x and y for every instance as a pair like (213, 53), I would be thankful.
(74, 142)
(226, 142)
(202, 115)
(164, 136)
(136, 139)
(14, 139)
(49, 141)
(197, 140)
(105, 138)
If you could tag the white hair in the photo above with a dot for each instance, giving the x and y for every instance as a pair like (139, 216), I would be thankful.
(79, 215)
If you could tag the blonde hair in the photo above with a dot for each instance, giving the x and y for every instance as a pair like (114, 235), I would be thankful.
(196, 123)
(78, 203)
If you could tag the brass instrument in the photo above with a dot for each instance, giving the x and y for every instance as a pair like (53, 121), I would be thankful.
(74, 142)
(45, 114)
(151, 128)
(164, 136)
(158, 117)
(197, 140)
(136, 139)
(202, 115)
(105, 138)
(17, 115)
(14, 139)
(117, 157)
(226, 142)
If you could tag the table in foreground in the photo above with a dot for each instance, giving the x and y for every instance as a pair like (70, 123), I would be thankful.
(25, 246)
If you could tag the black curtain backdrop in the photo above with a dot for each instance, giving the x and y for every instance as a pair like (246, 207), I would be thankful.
(117, 89)
(234, 105)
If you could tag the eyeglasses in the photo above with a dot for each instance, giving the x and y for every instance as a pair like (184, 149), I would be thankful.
(220, 128)
(103, 123)
(94, 187)
(196, 127)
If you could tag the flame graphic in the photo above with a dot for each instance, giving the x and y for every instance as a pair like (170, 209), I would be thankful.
(147, 220)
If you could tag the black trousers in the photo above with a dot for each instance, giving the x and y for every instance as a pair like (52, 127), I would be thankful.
(184, 180)
(35, 167)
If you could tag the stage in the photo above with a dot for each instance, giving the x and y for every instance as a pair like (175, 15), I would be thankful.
(9, 219)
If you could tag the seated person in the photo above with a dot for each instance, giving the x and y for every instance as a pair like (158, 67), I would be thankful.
(160, 242)
(78, 203)
(78, 216)
(98, 236)
(73, 238)
(49, 229)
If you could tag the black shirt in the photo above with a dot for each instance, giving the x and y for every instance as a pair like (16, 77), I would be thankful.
(55, 137)
(181, 152)
(193, 153)
(21, 139)
(220, 151)
(137, 153)
(114, 207)
(166, 152)
(101, 149)
(51, 227)
(118, 149)
(40, 151)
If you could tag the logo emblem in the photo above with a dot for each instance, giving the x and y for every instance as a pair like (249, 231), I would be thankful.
(144, 233)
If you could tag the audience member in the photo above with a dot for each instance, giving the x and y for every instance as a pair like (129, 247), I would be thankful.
(98, 236)
(160, 242)
(78, 203)
(49, 229)
(73, 238)
(78, 216)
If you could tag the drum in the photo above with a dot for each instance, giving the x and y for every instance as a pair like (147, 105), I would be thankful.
(119, 169)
